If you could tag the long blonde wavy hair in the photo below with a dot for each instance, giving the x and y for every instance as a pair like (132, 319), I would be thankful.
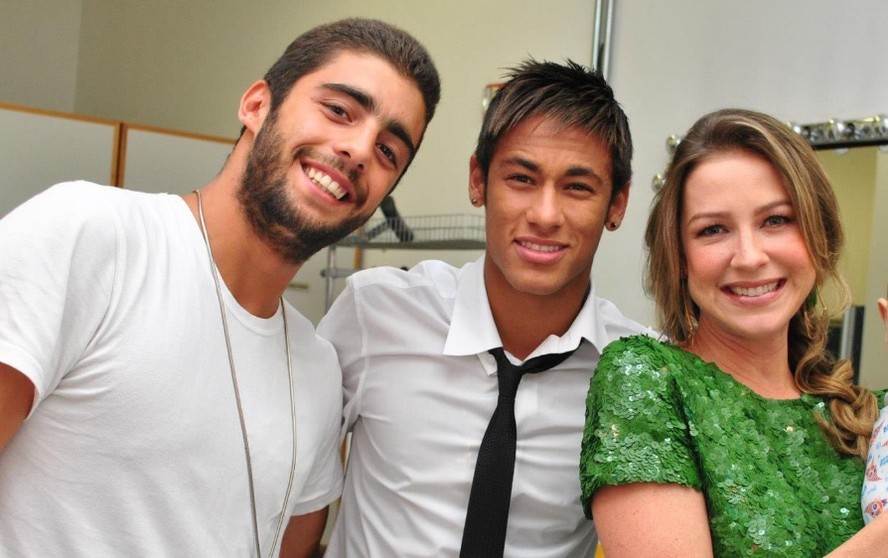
(816, 372)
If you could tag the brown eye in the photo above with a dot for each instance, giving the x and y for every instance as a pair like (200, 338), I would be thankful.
(389, 153)
(337, 110)
(711, 230)
(777, 220)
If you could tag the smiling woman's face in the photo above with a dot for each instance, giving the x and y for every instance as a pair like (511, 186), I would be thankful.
(748, 267)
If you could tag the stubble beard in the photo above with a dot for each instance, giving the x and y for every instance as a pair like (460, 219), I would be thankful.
(266, 202)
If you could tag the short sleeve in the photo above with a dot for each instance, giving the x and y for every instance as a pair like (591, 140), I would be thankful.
(58, 257)
(343, 326)
(874, 495)
(635, 430)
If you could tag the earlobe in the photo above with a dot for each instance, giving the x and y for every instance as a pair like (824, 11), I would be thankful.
(617, 209)
(254, 106)
(476, 183)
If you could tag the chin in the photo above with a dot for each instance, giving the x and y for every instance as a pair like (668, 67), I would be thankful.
(761, 332)
(536, 288)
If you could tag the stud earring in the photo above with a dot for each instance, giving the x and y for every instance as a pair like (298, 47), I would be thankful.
(474, 201)
(612, 225)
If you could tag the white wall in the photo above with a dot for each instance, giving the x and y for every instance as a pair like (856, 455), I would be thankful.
(874, 360)
(38, 52)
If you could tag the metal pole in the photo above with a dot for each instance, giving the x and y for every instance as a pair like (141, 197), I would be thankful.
(602, 26)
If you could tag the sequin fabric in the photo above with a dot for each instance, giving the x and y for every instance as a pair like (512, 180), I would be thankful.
(773, 485)
(874, 496)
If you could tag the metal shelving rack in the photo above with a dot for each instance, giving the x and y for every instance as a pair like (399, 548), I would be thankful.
(425, 232)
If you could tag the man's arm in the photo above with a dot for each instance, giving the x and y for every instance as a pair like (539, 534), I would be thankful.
(16, 397)
(302, 537)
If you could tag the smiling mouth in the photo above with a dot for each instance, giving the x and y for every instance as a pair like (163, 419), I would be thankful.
(326, 183)
(755, 291)
(540, 247)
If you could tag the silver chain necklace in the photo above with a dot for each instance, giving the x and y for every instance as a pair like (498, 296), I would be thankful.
(240, 410)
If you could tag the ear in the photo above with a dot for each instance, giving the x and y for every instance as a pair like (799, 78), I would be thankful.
(477, 183)
(883, 310)
(254, 106)
(617, 209)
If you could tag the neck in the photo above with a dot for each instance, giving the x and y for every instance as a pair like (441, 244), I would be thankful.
(524, 321)
(252, 271)
(762, 365)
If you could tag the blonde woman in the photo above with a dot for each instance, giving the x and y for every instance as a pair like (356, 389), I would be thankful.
(741, 436)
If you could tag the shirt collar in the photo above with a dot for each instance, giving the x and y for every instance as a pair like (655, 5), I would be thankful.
(473, 331)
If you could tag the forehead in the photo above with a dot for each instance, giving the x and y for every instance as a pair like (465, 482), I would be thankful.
(554, 146)
(733, 180)
(733, 174)
(395, 97)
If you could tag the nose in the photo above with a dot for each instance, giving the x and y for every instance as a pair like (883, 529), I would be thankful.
(545, 210)
(356, 147)
(750, 251)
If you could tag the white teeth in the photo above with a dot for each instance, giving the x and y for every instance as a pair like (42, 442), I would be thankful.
(540, 247)
(755, 291)
(324, 181)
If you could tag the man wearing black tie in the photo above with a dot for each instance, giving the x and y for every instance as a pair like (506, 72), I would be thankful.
(464, 388)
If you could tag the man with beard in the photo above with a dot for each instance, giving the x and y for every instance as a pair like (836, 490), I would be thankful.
(157, 395)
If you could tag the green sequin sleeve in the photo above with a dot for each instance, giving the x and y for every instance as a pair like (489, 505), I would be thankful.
(635, 430)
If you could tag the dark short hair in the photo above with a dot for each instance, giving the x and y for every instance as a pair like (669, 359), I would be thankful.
(319, 45)
(569, 93)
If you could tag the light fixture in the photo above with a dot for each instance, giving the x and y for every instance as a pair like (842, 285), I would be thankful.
(832, 134)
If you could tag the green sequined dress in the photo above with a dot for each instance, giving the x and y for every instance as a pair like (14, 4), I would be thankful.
(773, 485)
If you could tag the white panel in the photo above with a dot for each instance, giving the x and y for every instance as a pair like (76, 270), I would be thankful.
(157, 161)
(39, 150)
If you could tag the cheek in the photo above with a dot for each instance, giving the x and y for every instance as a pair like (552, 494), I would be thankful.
(800, 260)
(697, 263)
(378, 190)
(694, 288)
(703, 268)
(503, 212)
(590, 241)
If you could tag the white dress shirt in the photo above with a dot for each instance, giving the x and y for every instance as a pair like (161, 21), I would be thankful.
(420, 388)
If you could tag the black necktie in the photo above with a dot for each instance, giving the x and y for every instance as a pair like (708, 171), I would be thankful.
(484, 535)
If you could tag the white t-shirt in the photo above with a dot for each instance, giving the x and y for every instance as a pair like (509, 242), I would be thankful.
(420, 389)
(133, 447)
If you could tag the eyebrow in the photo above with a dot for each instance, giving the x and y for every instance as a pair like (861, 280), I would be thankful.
(368, 103)
(722, 214)
(572, 171)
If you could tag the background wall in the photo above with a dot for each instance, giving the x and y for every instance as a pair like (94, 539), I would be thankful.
(874, 371)
(39, 49)
(184, 65)
(853, 175)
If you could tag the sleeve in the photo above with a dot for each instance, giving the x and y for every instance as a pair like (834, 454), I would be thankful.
(58, 255)
(324, 480)
(874, 495)
(342, 326)
(635, 430)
